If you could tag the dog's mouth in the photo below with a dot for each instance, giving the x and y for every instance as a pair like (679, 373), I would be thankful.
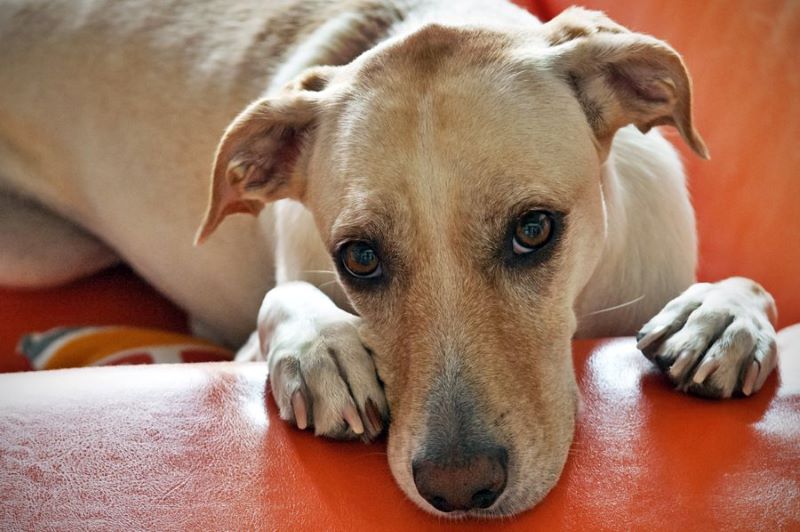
(480, 428)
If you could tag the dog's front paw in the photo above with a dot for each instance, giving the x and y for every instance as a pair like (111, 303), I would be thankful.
(714, 339)
(323, 376)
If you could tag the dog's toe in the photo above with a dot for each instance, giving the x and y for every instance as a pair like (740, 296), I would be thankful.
(711, 342)
(330, 384)
(671, 319)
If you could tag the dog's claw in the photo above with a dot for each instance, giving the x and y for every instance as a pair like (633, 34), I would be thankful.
(750, 377)
(680, 365)
(708, 367)
(649, 338)
(300, 410)
(350, 415)
(374, 420)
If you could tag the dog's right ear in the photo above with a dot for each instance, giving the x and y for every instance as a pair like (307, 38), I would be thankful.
(258, 159)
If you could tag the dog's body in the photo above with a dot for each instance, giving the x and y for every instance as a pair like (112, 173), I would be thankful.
(109, 118)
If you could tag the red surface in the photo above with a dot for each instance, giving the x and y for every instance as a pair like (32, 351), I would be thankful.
(197, 447)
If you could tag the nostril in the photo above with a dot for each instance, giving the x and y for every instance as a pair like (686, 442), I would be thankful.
(484, 498)
(440, 503)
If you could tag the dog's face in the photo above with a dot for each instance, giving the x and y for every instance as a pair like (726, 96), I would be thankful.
(455, 176)
(483, 226)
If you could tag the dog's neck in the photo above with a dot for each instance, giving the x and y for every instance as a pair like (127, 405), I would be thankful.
(638, 175)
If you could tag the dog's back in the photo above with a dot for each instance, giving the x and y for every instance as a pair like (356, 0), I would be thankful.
(110, 113)
(84, 79)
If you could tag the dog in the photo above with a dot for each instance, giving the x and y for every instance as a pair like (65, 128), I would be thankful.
(446, 194)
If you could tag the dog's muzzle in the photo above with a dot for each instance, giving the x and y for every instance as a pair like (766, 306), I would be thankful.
(458, 464)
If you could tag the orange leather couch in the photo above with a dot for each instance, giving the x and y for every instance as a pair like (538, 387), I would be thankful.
(201, 447)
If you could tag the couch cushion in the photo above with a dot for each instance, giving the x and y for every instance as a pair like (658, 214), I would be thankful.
(198, 447)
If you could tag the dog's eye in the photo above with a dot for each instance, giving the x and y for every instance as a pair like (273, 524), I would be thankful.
(533, 231)
(360, 260)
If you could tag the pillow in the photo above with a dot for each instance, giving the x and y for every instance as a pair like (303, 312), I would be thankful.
(73, 347)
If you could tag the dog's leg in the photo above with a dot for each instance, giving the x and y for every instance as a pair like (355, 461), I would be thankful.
(715, 339)
(39, 248)
(320, 371)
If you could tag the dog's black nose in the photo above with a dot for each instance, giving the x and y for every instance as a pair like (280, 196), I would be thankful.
(462, 483)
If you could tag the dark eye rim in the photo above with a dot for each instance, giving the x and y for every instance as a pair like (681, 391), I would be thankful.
(347, 273)
(541, 253)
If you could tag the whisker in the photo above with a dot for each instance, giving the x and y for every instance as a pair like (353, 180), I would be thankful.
(331, 272)
(323, 285)
(615, 307)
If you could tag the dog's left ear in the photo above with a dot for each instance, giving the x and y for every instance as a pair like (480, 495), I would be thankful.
(258, 159)
(622, 78)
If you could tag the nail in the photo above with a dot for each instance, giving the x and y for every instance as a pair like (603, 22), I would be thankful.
(374, 420)
(651, 337)
(708, 367)
(750, 378)
(300, 411)
(350, 415)
(679, 366)
(765, 368)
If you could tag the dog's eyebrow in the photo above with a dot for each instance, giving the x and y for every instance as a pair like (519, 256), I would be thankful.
(363, 222)
(519, 191)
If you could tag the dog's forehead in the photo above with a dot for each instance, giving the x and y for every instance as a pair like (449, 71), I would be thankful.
(432, 48)
(464, 99)
(464, 141)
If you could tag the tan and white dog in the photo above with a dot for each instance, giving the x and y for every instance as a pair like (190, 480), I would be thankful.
(477, 187)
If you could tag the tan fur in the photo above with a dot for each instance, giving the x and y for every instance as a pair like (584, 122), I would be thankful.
(450, 172)
(420, 126)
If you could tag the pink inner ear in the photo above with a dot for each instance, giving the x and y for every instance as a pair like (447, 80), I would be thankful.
(642, 81)
(225, 202)
(242, 206)
(283, 160)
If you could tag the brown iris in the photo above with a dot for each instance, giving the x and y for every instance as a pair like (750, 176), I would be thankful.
(360, 260)
(533, 231)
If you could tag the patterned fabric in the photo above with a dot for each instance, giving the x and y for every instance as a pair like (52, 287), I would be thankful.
(73, 347)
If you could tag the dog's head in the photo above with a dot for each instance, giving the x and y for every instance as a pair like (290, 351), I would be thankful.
(455, 176)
